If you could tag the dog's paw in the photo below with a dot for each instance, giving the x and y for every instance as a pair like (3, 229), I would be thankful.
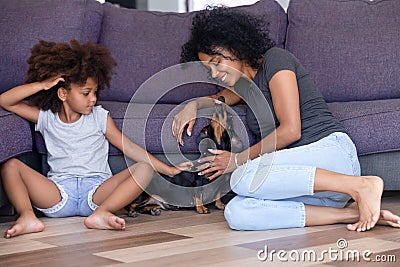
(219, 204)
(155, 211)
(202, 210)
(133, 214)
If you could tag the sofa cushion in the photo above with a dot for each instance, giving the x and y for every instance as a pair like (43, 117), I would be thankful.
(16, 135)
(24, 22)
(373, 125)
(146, 42)
(350, 48)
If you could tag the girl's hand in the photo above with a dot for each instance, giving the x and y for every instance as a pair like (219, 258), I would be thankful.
(52, 81)
(174, 170)
(222, 162)
(187, 116)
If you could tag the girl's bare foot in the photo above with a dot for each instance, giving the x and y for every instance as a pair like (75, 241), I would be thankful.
(102, 219)
(368, 197)
(25, 224)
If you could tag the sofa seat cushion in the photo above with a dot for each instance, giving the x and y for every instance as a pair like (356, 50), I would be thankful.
(150, 127)
(24, 22)
(350, 48)
(147, 42)
(373, 125)
(15, 135)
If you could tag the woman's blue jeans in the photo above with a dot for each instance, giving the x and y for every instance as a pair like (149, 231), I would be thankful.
(273, 189)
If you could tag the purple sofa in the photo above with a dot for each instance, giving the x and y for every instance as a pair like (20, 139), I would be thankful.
(349, 48)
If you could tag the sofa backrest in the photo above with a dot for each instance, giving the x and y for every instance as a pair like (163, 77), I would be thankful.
(350, 48)
(24, 22)
(145, 42)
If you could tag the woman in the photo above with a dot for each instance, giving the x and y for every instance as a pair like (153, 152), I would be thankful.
(315, 169)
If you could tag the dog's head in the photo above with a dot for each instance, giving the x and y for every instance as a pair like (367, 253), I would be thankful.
(219, 134)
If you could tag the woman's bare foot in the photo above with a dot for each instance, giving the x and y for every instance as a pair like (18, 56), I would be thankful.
(25, 224)
(386, 218)
(368, 197)
(102, 219)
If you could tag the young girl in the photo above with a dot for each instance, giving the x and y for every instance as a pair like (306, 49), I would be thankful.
(63, 83)
(315, 170)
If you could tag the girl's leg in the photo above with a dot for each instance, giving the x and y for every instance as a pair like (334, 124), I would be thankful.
(24, 187)
(116, 193)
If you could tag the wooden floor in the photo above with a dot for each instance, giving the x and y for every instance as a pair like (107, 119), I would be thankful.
(185, 238)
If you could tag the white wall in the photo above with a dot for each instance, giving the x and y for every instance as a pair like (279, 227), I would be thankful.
(179, 5)
(283, 3)
(166, 5)
(200, 4)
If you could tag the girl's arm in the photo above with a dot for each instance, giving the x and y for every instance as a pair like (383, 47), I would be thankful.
(12, 100)
(134, 151)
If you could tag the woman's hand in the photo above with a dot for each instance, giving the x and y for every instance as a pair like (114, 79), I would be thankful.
(187, 116)
(222, 162)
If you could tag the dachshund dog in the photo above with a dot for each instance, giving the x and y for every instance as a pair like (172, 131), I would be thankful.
(218, 134)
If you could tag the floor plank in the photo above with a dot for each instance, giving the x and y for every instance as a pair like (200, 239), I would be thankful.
(185, 238)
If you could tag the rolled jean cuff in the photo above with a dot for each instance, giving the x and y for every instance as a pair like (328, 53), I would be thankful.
(245, 213)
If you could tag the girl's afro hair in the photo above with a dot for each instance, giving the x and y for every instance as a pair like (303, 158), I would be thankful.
(74, 61)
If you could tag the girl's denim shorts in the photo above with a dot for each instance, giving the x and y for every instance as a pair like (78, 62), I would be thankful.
(76, 196)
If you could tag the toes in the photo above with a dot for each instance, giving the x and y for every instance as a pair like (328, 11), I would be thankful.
(117, 223)
(352, 227)
(393, 224)
(358, 226)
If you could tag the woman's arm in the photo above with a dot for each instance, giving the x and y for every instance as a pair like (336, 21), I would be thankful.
(12, 100)
(286, 104)
(187, 116)
(134, 151)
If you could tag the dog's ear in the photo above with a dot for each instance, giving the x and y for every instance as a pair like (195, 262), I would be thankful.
(203, 134)
(236, 144)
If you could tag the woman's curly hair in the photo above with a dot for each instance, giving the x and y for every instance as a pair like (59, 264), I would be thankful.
(75, 62)
(242, 34)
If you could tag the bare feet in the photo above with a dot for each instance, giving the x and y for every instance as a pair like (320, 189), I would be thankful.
(25, 224)
(102, 219)
(386, 218)
(368, 197)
